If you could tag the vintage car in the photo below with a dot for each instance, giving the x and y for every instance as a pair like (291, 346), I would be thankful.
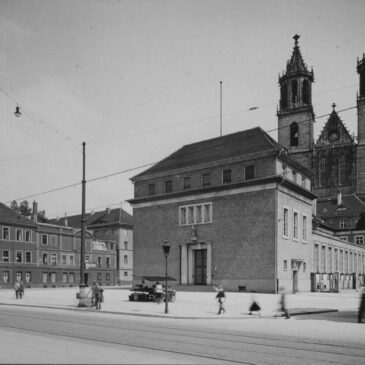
(145, 292)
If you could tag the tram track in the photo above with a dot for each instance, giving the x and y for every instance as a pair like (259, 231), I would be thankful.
(227, 341)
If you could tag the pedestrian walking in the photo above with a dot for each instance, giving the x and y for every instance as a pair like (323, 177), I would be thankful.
(221, 297)
(362, 306)
(21, 289)
(283, 309)
(17, 289)
(99, 296)
(254, 307)
(93, 293)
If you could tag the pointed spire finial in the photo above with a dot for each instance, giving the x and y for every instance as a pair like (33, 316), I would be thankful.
(333, 106)
(296, 37)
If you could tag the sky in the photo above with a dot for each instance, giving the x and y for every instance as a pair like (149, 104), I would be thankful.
(137, 80)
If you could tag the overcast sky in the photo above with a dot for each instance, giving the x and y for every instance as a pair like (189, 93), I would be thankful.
(136, 80)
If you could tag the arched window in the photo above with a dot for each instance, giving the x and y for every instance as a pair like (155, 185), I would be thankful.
(322, 172)
(294, 91)
(294, 134)
(284, 96)
(342, 173)
(305, 92)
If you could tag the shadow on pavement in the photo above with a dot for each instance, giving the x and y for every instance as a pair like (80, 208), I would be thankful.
(341, 316)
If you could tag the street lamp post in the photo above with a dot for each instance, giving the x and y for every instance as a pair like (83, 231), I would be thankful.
(83, 296)
(166, 251)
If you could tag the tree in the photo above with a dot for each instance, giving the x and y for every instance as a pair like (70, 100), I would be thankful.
(24, 209)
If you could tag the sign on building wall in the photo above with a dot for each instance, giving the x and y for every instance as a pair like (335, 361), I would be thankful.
(99, 245)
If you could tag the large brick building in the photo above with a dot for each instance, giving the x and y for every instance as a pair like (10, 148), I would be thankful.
(227, 206)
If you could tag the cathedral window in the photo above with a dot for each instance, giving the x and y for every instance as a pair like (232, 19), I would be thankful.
(342, 169)
(294, 134)
(294, 91)
(322, 172)
(284, 96)
(305, 92)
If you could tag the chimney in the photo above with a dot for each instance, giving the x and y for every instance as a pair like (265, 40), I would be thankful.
(65, 222)
(35, 211)
(339, 198)
(107, 210)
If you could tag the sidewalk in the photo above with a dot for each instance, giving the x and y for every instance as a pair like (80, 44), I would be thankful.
(191, 305)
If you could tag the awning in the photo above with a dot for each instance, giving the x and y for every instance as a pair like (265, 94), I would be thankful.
(158, 278)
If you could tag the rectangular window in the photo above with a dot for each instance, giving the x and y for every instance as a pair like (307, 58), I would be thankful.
(286, 222)
(72, 260)
(27, 236)
(107, 276)
(87, 259)
(343, 238)
(336, 259)
(99, 277)
(227, 176)
(125, 245)
(53, 240)
(249, 172)
(168, 186)
(112, 247)
(151, 189)
(64, 277)
(71, 277)
(5, 276)
(19, 234)
(18, 276)
(28, 277)
(18, 256)
(125, 259)
(44, 277)
(125, 273)
(359, 240)
(99, 261)
(6, 256)
(195, 214)
(53, 277)
(53, 259)
(64, 259)
(44, 239)
(343, 223)
(206, 179)
(6, 233)
(28, 257)
(45, 258)
(305, 230)
(285, 265)
(295, 226)
(108, 262)
(187, 183)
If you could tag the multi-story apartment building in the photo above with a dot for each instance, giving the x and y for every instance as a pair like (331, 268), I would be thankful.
(48, 255)
(114, 225)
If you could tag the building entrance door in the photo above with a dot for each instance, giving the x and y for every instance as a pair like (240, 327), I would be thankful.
(200, 267)
(295, 281)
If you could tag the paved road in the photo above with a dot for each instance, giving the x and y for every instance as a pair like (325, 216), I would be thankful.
(29, 335)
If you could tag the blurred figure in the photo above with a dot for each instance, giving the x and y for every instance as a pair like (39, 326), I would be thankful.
(99, 297)
(362, 306)
(21, 289)
(221, 297)
(282, 303)
(17, 289)
(254, 307)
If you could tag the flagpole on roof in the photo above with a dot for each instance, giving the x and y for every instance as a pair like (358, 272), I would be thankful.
(221, 108)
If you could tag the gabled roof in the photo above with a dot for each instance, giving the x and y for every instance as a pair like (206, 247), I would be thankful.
(9, 216)
(117, 215)
(334, 123)
(351, 205)
(250, 141)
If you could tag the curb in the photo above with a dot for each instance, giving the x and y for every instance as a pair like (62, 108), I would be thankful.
(163, 315)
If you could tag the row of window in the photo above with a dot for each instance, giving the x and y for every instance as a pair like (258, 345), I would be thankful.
(52, 258)
(186, 184)
(328, 259)
(295, 225)
(195, 214)
(295, 177)
(20, 234)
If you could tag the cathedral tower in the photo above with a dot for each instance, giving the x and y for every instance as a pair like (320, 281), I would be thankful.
(360, 158)
(295, 113)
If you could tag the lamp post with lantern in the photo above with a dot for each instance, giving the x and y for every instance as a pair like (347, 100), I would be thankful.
(166, 250)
